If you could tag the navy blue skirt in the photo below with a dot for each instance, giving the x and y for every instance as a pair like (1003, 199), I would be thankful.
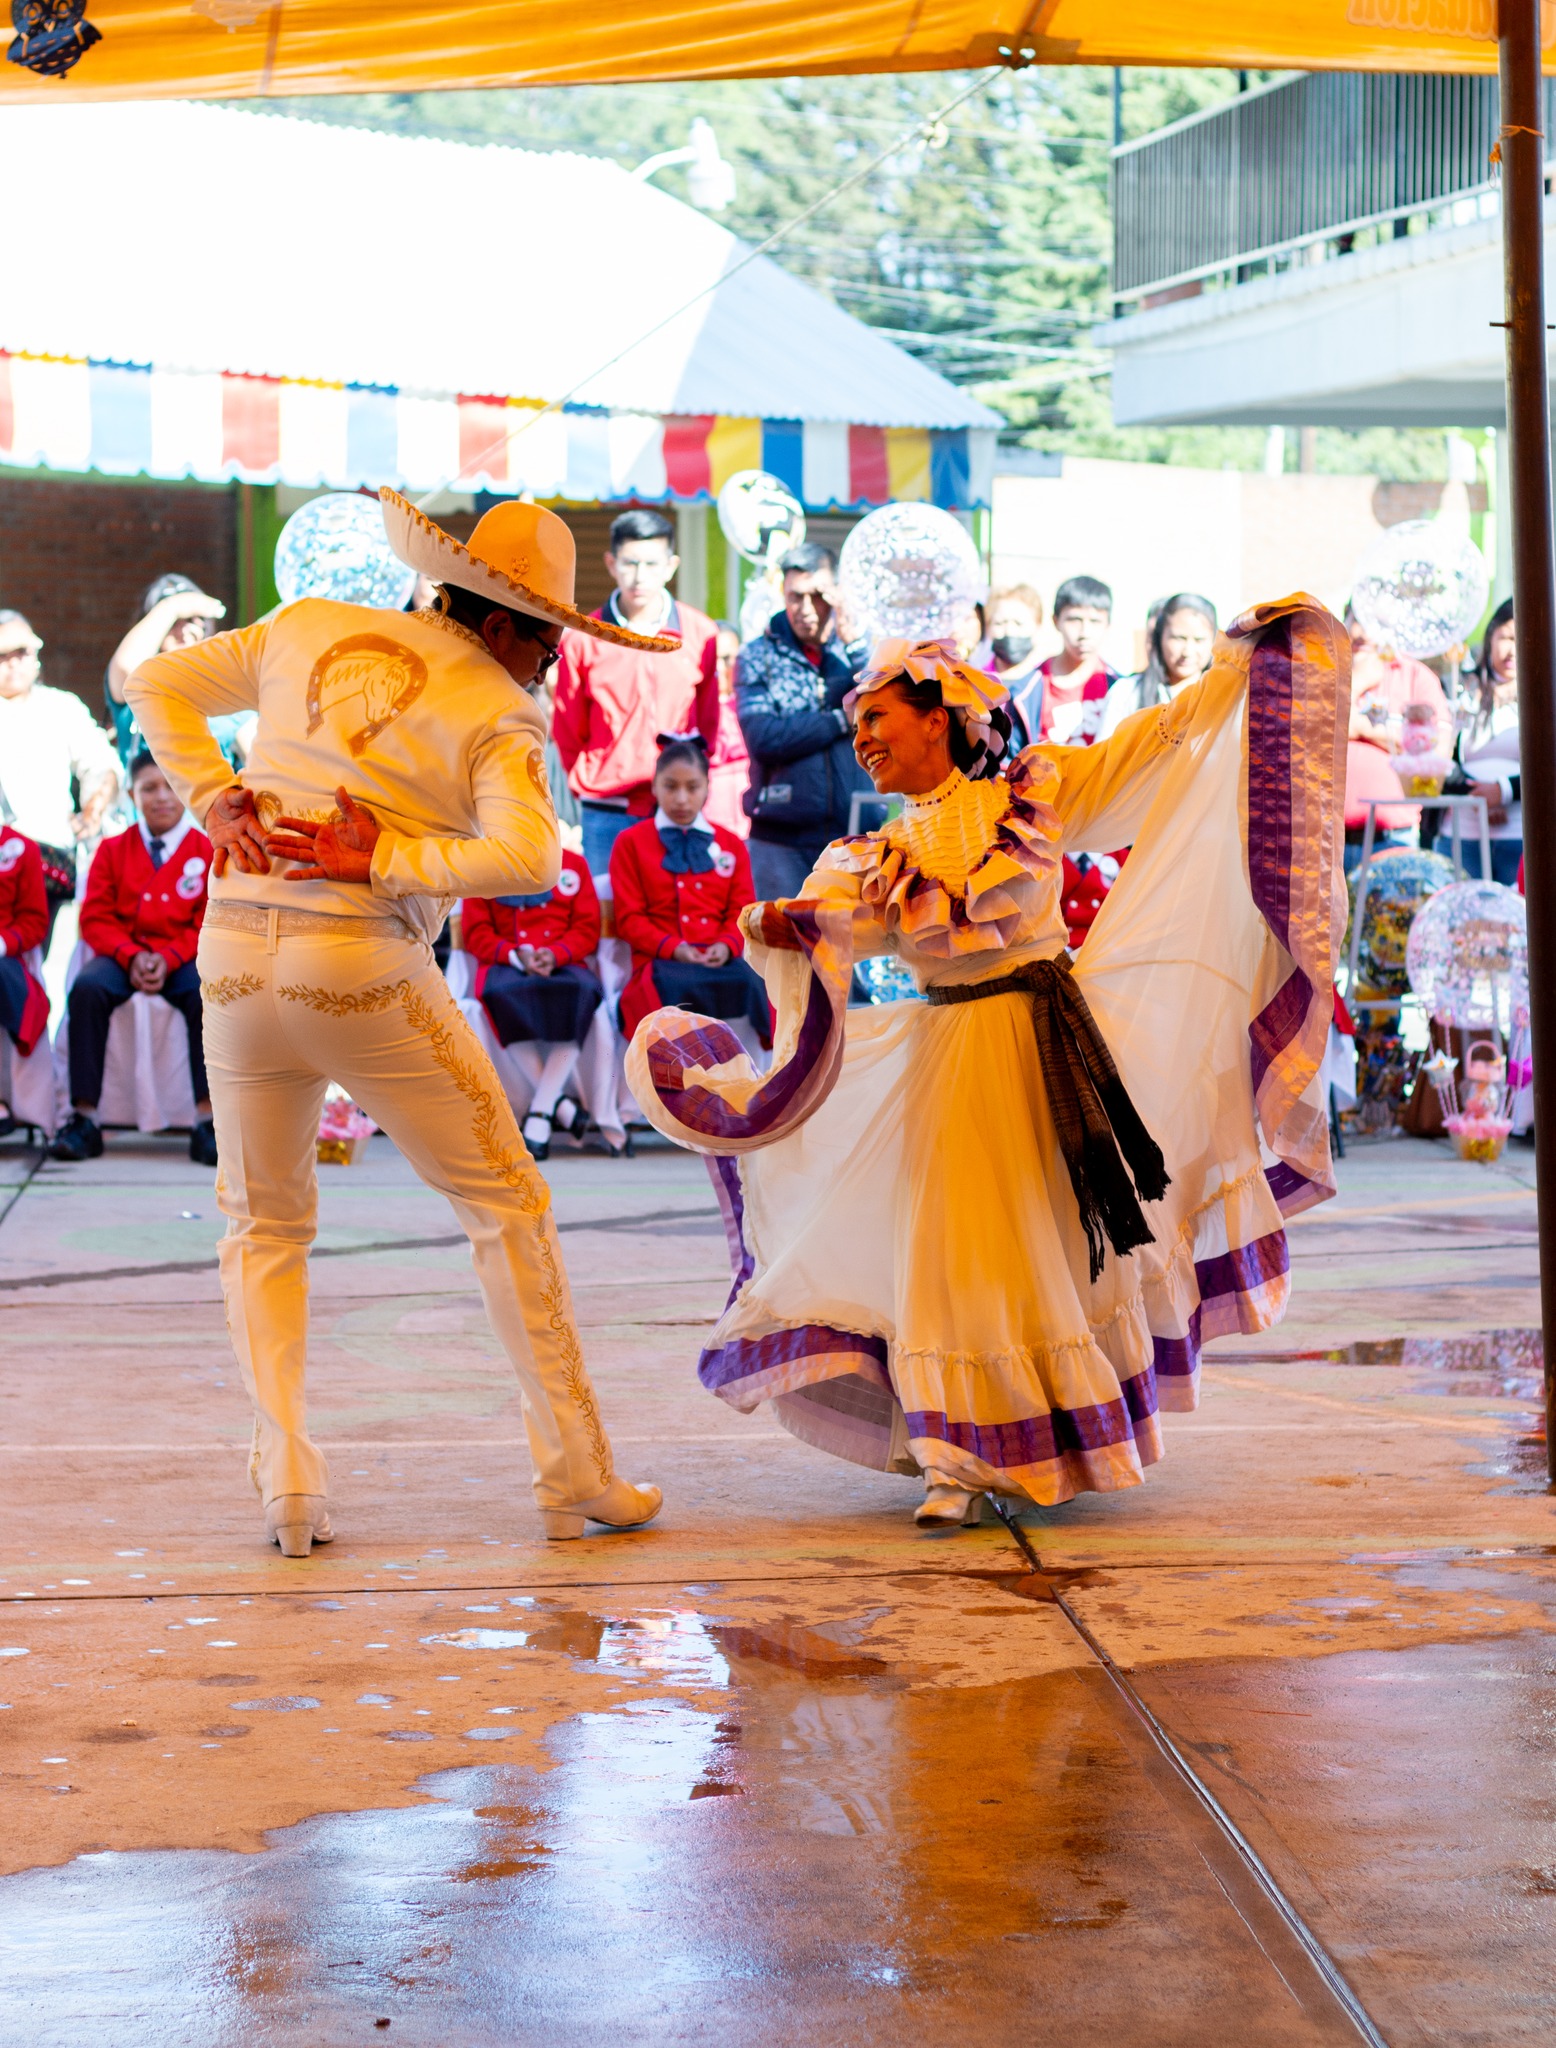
(558, 1007)
(727, 992)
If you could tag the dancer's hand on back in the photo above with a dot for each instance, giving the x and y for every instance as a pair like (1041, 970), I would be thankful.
(232, 826)
(340, 850)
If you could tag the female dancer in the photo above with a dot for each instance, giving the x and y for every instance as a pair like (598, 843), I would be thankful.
(983, 1236)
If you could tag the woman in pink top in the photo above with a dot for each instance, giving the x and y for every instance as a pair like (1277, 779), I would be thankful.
(1382, 685)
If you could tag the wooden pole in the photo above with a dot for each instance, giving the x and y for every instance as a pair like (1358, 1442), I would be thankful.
(1534, 601)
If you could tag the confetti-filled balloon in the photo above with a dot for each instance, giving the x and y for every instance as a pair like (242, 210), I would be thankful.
(336, 547)
(760, 516)
(1467, 957)
(1420, 588)
(1399, 881)
(908, 571)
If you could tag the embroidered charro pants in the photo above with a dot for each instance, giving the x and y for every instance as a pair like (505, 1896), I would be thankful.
(296, 1001)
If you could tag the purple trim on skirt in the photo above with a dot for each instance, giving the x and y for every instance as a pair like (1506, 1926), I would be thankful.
(700, 1110)
(1244, 1269)
(1277, 1024)
(1270, 692)
(744, 1358)
(1293, 1191)
(724, 1172)
(1041, 1439)
(1174, 1358)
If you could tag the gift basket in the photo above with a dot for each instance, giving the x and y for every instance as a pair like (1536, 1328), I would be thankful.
(1467, 960)
(343, 1129)
(1475, 1117)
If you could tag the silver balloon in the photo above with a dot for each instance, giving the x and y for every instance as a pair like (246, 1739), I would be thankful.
(336, 547)
(908, 571)
(1468, 957)
(760, 516)
(1420, 588)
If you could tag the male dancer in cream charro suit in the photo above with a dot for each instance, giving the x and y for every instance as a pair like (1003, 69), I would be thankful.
(398, 765)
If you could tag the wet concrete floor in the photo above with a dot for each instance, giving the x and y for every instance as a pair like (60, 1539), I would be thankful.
(1261, 1752)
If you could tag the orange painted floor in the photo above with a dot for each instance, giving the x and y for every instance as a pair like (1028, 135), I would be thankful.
(1258, 1753)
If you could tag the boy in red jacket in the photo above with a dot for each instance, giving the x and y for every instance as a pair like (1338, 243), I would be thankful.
(24, 923)
(679, 885)
(612, 702)
(534, 981)
(141, 915)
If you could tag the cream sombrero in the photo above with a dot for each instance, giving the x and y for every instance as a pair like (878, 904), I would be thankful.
(519, 555)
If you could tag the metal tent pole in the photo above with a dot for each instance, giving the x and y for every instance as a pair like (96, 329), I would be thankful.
(1534, 602)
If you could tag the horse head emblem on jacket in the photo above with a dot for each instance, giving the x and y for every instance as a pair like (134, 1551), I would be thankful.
(369, 678)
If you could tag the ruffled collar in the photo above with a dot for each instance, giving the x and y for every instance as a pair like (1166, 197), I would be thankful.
(933, 799)
(1016, 864)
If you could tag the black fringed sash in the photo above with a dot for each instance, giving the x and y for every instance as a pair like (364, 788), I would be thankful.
(1092, 1112)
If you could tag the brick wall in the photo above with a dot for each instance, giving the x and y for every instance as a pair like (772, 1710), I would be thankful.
(76, 553)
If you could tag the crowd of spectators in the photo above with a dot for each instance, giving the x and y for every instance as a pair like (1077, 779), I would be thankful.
(691, 783)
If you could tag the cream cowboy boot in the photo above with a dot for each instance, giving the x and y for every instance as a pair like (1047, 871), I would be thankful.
(621, 1506)
(946, 1505)
(296, 1521)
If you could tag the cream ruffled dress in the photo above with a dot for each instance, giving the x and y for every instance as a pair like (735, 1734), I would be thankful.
(912, 1284)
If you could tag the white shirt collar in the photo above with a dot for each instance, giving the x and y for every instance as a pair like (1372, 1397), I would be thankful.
(169, 839)
(656, 625)
(698, 824)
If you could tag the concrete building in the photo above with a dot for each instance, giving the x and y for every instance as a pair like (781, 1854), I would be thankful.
(1324, 251)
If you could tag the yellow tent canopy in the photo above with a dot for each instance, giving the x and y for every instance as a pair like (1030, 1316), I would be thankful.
(139, 49)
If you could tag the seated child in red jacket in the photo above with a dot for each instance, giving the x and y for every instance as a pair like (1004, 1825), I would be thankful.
(679, 884)
(24, 923)
(141, 916)
(535, 984)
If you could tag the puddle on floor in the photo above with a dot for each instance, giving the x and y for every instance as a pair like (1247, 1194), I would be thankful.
(808, 1851)
(1495, 1352)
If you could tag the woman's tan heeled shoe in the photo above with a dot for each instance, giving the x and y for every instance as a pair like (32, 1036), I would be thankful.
(297, 1521)
(621, 1506)
(945, 1506)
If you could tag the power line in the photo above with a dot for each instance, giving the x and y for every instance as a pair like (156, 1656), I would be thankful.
(778, 234)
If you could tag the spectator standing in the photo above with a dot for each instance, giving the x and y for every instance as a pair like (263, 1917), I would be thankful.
(1382, 687)
(613, 702)
(729, 765)
(48, 739)
(534, 980)
(1015, 619)
(1073, 684)
(789, 691)
(1487, 751)
(1382, 684)
(680, 884)
(174, 612)
(24, 919)
(1183, 637)
(141, 916)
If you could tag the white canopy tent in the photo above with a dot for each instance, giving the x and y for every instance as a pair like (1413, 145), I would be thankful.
(215, 293)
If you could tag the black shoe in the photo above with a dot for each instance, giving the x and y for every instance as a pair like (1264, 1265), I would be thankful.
(77, 1138)
(202, 1142)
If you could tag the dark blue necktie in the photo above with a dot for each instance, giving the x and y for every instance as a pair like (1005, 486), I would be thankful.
(686, 852)
(158, 848)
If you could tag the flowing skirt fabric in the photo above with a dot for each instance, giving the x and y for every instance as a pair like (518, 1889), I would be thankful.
(924, 1216)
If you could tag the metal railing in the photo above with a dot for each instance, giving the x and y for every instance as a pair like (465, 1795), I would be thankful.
(1303, 161)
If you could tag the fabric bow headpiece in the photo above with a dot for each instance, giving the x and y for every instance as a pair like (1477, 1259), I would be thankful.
(974, 699)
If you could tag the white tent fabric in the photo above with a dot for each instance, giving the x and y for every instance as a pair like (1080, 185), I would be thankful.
(206, 239)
